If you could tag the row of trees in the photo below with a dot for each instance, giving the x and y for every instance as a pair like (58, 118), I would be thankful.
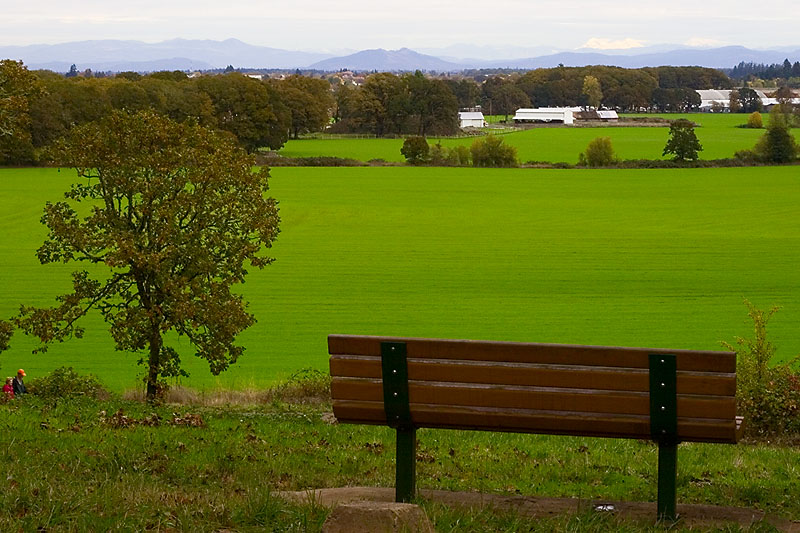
(764, 71)
(387, 104)
(39, 107)
(660, 88)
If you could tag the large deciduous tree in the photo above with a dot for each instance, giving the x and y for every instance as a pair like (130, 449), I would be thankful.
(309, 101)
(175, 214)
(682, 143)
(243, 106)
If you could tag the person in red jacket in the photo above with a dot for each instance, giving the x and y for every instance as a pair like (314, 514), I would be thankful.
(8, 389)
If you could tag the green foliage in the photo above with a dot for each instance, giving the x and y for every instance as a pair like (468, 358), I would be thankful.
(64, 382)
(592, 91)
(244, 107)
(767, 396)
(749, 101)
(491, 151)
(682, 143)
(18, 87)
(777, 145)
(754, 120)
(387, 104)
(416, 150)
(307, 385)
(600, 153)
(319, 161)
(309, 101)
(6, 332)
(456, 156)
(177, 215)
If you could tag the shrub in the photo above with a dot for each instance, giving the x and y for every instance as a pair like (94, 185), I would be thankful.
(459, 156)
(441, 156)
(317, 161)
(307, 385)
(600, 153)
(415, 150)
(438, 155)
(491, 151)
(65, 382)
(767, 396)
(777, 145)
(754, 120)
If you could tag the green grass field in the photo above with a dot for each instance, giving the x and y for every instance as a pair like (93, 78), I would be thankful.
(658, 258)
(718, 133)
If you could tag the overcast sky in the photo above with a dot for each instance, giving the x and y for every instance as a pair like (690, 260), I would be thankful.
(354, 24)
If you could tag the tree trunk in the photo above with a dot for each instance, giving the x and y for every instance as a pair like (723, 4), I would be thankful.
(153, 363)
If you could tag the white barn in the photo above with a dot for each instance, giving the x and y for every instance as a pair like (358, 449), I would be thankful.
(546, 114)
(471, 119)
(711, 99)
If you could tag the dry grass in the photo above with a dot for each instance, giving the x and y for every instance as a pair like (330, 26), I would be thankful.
(307, 386)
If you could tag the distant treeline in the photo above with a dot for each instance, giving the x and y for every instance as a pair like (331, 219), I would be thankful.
(776, 71)
(37, 107)
(45, 105)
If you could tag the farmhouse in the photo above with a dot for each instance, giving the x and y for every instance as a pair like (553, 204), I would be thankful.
(565, 115)
(471, 119)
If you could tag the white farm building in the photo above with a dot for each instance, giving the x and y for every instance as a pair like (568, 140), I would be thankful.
(471, 119)
(720, 100)
(565, 115)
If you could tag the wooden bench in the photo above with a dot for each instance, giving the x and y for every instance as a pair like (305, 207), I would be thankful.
(669, 396)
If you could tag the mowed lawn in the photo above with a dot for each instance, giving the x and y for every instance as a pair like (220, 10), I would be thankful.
(718, 134)
(656, 258)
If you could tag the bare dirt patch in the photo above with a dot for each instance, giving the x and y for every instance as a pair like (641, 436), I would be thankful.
(534, 507)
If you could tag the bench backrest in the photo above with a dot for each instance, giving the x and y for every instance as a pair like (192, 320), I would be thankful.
(536, 388)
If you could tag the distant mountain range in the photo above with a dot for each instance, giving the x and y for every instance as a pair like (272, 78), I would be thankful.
(182, 54)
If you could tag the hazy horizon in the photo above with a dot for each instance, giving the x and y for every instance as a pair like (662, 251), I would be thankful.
(351, 25)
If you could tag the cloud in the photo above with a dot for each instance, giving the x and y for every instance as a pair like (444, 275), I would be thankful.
(703, 42)
(599, 43)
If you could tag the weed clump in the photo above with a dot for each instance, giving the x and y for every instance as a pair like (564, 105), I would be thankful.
(767, 396)
(64, 382)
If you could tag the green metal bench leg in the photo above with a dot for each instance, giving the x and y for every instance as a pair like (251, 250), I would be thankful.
(406, 473)
(667, 479)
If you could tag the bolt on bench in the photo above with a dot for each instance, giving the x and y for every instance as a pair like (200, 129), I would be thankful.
(669, 396)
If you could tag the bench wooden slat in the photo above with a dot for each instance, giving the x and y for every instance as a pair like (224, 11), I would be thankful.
(534, 374)
(533, 421)
(599, 391)
(540, 398)
(515, 352)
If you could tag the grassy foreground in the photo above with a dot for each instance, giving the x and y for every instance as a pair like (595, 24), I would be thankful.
(79, 465)
(656, 258)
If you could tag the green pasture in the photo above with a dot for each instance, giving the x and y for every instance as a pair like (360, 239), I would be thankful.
(658, 258)
(718, 133)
